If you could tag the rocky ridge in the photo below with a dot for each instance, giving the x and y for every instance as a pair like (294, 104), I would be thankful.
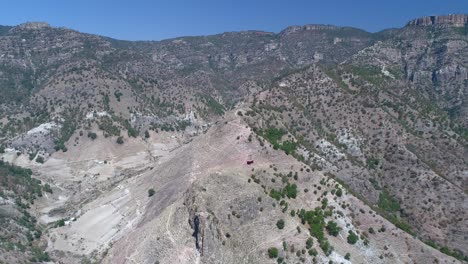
(452, 20)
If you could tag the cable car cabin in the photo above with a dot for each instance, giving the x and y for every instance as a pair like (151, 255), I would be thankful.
(250, 162)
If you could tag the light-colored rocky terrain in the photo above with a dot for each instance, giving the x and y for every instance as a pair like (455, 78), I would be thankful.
(101, 190)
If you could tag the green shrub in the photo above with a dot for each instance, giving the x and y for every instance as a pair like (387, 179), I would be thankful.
(288, 146)
(92, 135)
(333, 228)
(118, 94)
(290, 190)
(339, 192)
(131, 131)
(274, 134)
(273, 252)
(352, 237)
(120, 140)
(325, 246)
(313, 252)
(280, 224)
(60, 223)
(151, 192)
(40, 159)
(275, 194)
(106, 124)
(309, 243)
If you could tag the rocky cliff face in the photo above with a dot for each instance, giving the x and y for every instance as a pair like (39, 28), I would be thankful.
(454, 20)
(293, 29)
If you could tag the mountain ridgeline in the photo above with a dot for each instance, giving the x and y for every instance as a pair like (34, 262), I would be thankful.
(383, 114)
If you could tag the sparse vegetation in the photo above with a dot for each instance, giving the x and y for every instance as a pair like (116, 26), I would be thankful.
(316, 221)
(290, 191)
(214, 105)
(106, 125)
(69, 127)
(19, 231)
(274, 135)
(372, 163)
(391, 127)
(39, 255)
(387, 202)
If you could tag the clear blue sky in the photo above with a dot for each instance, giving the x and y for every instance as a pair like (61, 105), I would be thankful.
(155, 20)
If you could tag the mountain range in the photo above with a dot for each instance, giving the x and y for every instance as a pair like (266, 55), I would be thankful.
(120, 151)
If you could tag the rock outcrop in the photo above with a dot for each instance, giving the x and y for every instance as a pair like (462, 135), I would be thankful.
(31, 26)
(293, 29)
(453, 20)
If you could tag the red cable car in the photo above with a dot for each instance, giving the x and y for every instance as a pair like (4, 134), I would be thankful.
(250, 160)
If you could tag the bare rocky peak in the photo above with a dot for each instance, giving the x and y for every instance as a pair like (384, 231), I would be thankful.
(453, 20)
(34, 25)
(30, 26)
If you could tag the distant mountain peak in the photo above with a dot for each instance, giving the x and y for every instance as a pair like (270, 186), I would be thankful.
(308, 27)
(452, 20)
(31, 26)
